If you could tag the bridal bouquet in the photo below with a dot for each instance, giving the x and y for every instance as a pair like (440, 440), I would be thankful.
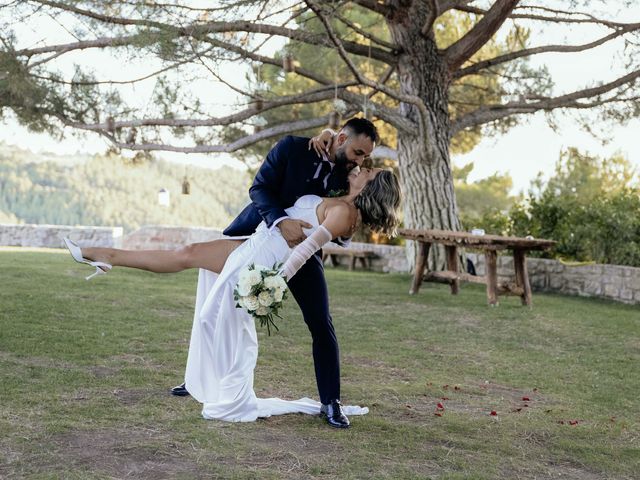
(261, 291)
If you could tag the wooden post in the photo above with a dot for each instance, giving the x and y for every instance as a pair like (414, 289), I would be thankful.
(522, 276)
(421, 263)
(452, 266)
(492, 276)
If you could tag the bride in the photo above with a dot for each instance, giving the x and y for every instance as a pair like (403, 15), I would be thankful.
(224, 347)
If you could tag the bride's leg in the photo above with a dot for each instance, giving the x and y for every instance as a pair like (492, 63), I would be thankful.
(207, 255)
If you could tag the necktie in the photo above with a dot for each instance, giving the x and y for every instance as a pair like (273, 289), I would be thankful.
(322, 174)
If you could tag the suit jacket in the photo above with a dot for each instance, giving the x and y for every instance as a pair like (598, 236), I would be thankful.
(285, 175)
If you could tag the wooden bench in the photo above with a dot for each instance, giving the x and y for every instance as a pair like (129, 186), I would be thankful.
(490, 245)
(333, 253)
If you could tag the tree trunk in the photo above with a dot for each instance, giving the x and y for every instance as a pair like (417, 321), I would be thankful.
(423, 157)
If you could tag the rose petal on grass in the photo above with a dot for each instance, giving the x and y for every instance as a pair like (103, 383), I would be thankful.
(440, 406)
(525, 399)
(493, 413)
(437, 414)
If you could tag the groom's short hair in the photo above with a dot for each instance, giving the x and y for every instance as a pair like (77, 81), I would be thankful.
(361, 126)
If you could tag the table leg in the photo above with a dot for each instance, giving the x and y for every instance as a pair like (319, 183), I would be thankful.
(492, 276)
(352, 263)
(421, 263)
(522, 276)
(452, 266)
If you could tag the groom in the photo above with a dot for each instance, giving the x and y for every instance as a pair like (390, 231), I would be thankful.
(290, 171)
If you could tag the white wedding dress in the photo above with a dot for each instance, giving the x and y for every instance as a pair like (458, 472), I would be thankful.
(224, 345)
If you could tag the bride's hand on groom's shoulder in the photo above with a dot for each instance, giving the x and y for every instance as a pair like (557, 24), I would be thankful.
(291, 230)
(322, 143)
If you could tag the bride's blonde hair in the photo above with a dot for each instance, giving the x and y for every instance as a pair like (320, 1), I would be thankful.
(379, 202)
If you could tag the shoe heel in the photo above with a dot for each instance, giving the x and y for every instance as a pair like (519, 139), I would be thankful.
(101, 269)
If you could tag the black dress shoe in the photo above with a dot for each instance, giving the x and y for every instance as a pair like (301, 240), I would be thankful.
(334, 415)
(180, 391)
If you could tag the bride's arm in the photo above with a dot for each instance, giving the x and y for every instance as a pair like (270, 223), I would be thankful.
(336, 223)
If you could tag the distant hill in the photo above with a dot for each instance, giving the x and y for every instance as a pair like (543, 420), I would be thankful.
(110, 191)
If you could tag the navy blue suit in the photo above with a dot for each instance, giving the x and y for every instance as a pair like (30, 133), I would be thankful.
(286, 175)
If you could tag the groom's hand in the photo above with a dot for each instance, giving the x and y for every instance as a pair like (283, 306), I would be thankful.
(291, 230)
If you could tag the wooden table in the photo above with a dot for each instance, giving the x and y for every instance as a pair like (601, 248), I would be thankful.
(490, 244)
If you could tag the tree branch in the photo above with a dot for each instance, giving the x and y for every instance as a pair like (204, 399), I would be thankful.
(434, 12)
(365, 34)
(462, 50)
(490, 113)
(543, 49)
(374, 6)
(205, 28)
(590, 18)
(411, 99)
(267, 133)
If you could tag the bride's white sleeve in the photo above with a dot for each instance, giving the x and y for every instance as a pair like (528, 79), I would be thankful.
(303, 251)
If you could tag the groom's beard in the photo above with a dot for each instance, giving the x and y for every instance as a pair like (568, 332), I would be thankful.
(343, 163)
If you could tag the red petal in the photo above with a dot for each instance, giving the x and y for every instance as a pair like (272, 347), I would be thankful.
(525, 399)
(573, 422)
(494, 413)
(440, 406)
(437, 414)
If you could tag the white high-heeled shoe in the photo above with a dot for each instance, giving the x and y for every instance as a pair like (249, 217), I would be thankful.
(76, 253)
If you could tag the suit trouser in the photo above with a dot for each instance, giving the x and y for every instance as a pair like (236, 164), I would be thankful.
(309, 287)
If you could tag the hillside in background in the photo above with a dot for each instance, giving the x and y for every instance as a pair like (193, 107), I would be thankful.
(111, 191)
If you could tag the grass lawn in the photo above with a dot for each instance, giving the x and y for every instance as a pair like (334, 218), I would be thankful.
(86, 368)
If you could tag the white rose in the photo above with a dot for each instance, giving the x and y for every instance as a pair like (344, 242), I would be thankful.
(271, 281)
(244, 287)
(262, 310)
(254, 277)
(251, 302)
(265, 298)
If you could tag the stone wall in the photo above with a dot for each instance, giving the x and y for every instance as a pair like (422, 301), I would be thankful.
(612, 282)
(50, 236)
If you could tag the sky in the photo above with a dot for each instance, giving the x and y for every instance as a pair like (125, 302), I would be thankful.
(522, 152)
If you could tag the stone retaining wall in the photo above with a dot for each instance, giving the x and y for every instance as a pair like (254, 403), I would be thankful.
(50, 236)
(612, 282)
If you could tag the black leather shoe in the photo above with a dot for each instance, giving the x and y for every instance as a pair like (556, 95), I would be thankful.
(334, 415)
(180, 391)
